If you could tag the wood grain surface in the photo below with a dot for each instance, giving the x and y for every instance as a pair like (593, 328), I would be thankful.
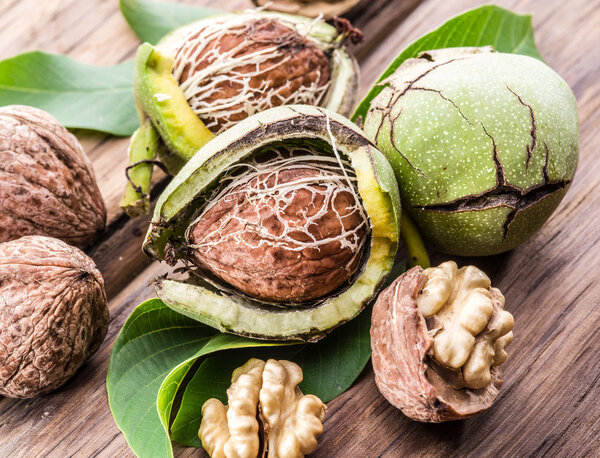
(550, 402)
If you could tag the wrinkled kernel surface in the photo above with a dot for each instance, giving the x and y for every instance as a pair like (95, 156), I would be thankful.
(473, 332)
(291, 421)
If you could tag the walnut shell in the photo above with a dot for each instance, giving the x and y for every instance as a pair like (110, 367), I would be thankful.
(230, 69)
(47, 186)
(53, 314)
(294, 245)
(404, 373)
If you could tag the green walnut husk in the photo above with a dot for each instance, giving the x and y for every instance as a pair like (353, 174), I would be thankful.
(484, 145)
(163, 104)
(237, 313)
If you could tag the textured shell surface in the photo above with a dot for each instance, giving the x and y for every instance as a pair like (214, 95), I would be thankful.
(235, 66)
(53, 314)
(47, 185)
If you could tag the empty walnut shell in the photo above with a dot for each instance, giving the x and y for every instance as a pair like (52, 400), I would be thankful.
(53, 314)
(404, 373)
(47, 186)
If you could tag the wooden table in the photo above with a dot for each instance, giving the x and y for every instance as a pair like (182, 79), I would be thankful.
(550, 401)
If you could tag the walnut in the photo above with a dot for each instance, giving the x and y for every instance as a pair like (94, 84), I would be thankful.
(296, 206)
(47, 186)
(438, 338)
(287, 230)
(267, 393)
(498, 151)
(474, 330)
(53, 314)
(236, 66)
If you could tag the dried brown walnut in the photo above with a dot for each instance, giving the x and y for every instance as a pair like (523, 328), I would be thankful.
(47, 186)
(53, 314)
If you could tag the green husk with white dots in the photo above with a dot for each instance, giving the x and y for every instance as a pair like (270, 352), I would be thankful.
(484, 145)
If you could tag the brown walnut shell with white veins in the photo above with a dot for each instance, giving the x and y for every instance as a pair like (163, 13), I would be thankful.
(47, 186)
(293, 234)
(241, 66)
(406, 373)
(53, 314)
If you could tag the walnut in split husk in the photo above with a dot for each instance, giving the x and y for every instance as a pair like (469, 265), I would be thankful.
(53, 314)
(203, 78)
(266, 415)
(47, 185)
(286, 224)
(438, 338)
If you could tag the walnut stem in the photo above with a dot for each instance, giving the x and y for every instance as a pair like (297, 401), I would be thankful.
(417, 254)
(142, 151)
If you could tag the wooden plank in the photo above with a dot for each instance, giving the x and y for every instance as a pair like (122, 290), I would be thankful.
(552, 390)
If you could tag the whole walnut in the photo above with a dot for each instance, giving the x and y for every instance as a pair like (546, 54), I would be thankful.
(234, 67)
(484, 145)
(47, 186)
(283, 232)
(53, 314)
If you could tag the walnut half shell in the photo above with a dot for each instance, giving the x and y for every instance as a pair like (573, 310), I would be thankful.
(423, 363)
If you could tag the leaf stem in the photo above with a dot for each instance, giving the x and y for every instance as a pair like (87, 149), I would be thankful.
(417, 254)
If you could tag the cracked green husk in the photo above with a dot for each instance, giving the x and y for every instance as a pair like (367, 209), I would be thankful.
(484, 145)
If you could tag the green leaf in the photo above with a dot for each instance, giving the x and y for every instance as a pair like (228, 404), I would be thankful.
(154, 342)
(330, 366)
(152, 20)
(487, 25)
(78, 95)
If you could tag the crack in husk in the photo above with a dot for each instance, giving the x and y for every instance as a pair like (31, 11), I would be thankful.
(529, 148)
(387, 111)
(447, 99)
(503, 194)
